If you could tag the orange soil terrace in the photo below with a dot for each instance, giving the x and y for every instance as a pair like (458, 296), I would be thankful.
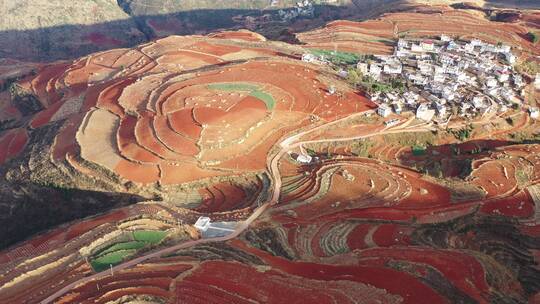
(346, 229)
(371, 37)
(160, 118)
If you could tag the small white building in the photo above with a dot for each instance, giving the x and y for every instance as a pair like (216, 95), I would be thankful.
(504, 48)
(402, 44)
(202, 223)
(375, 70)
(393, 68)
(424, 113)
(502, 75)
(478, 101)
(391, 122)
(384, 110)
(491, 82)
(332, 90)
(441, 109)
(445, 38)
(534, 112)
(304, 158)
(511, 58)
(362, 67)
(537, 81)
(309, 57)
(416, 48)
(427, 45)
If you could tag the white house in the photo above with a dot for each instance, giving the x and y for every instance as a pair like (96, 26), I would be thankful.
(441, 109)
(304, 159)
(478, 101)
(491, 82)
(518, 80)
(423, 112)
(537, 81)
(393, 68)
(384, 110)
(343, 74)
(416, 48)
(477, 42)
(397, 108)
(309, 57)
(402, 43)
(534, 112)
(362, 67)
(391, 122)
(427, 45)
(411, 98)
(502, 75)
(504, 48)
(445, 38)
(375, 70)
(511, 58)
(202, 223)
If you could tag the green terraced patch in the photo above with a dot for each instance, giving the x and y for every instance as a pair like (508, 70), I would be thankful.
(268, 100)
(123, 246)
(254, 90)
(149, 236)
(113, 258)
(337, 57)
(418, 150)
(233, 87)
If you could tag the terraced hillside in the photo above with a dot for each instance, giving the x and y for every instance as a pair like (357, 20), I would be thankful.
(108, 161)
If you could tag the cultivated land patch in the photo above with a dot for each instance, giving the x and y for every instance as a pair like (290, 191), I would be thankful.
(389, 214)
(253, 90)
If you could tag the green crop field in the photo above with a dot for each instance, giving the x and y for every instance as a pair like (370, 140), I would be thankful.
(123, 246)
(233, 87)
(149, 236)
(253, 90)
(337, 57)
(112, 258)
(268, 100)
(117, 253)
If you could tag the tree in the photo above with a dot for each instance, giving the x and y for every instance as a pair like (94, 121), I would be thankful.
(353, 78)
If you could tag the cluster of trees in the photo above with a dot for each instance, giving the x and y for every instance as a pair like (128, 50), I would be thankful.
(464, 133)
(355, 78)
(533, 37)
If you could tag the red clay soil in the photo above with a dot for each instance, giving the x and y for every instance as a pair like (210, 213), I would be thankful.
(65, 141)
(217, 50)
(42, 118)
(103, 40)
(387, 235)
(176, 142)
(82, 227)
(183, 123)
(520, 205)
(365, 37)
(240, 35)
(223, 197)
(128, 145)
(12, 143)
(147, 139)
(108, 98)
(394, 282)
(139, 173)
(40, 84)
(462, 270)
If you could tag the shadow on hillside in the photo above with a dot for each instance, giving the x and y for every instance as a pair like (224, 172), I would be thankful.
(43, 207)
(72, 41)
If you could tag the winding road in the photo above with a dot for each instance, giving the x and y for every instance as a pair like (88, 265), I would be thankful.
(272, 164)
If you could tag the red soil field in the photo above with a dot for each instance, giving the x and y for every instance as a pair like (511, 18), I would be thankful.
(12, 143)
